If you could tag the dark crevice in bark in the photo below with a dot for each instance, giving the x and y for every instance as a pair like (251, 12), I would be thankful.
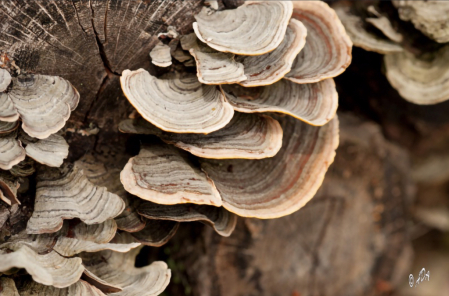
(104, 59)
(103, 56)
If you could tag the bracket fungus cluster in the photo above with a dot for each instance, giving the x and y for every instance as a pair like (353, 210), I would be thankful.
(415, 60)
(224, 150)
(238, 120)
(75, 219)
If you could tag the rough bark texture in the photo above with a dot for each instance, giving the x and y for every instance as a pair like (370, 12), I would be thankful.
(351, 239)
(89, 43)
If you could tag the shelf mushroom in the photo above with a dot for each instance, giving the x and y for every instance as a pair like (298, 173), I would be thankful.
(176, 104)
(11, 151)
(48, 269)
(430, 17)
(278, 186)
(418, 80)
(213, 67)
(249, 136)
(5, 79)
(270, 67)
(42, 99)
(160, 55)
(164, 175)
(314, 103)
(255, 28)
(65, 194)
(362, 36)
(327, 52)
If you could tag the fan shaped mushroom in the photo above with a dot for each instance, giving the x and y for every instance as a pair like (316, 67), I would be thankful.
(72, 239)
(418, 80)
(7, 110)
(156, 233)
(11, 151)
(43, 102)
(176, 104)
(65, 194)
(79, 288)
(247, 136)
(430, 17)
(163, 174)
(119, 270)
(271, 67)
(255, 28)
(50, 151)
(100, 175)
(220, 219)
(361, 37)
(48, 269)
(5, 80)
(327, 52)
(212, 66)
(68, 246)
(160, 55)
(314, 103)
(278, 186)
(384, 25)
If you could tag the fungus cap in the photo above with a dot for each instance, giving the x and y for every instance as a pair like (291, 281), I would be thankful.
(255, 28)
(176, 104)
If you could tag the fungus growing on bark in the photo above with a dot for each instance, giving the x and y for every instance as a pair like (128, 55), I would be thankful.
(255, 28)
(361, 37)
(79, 288)
(247, 136)
(50, 151)
(220, 219)
(271, 67)
(213, 67)
(118, 269)
(277, 186)
(176, 104)
(430, 17)
(11, 151)
(7, 111)
(156, 233)
(314, 103)
(384, 25)
(418, 80)
(160, 55)
(48, 269)
(43, 102)
(109, 177)
(327, 52)
(65, 194)
(163, 174)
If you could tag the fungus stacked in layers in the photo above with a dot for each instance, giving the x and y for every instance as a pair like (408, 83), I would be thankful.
(72, 225)
(416, 66)
(254, 131)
